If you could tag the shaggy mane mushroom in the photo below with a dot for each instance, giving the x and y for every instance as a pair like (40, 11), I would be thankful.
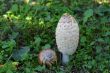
(67, 36)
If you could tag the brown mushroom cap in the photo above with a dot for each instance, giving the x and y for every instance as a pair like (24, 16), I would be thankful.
(47, 57)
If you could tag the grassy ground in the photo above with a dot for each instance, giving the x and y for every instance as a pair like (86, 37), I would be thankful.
(28, 27)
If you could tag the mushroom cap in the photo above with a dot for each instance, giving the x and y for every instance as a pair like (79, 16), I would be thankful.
(67, 34)
(47, 57)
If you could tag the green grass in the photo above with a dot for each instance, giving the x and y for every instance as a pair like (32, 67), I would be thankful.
(32, 28)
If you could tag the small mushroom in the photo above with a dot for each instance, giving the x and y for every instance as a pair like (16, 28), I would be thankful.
(47, 57)
(67, 36)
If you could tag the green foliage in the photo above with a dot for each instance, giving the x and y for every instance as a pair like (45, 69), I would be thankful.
(8, 45)
(88, 13)
(8, 67)
(27, 28)
(14, 8)
(21, 54)
(40, 68)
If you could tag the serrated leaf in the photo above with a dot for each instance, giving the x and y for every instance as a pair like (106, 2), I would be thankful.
(21, 54)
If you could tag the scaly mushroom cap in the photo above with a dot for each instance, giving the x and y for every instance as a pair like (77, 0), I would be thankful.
(67, 34)
(47, 57)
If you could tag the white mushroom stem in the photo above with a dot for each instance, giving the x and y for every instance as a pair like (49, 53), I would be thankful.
(65, 58)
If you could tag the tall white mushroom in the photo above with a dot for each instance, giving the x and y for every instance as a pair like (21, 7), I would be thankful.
(67, 36)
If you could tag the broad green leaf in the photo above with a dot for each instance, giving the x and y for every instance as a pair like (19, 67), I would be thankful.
(14, 35)
(104, 20)
(37, 41)
(83, 39)
(101, 67)
(21, 54)
(14, 8)
(92, 43)
(98, 49)
(87, 14)
(100, 40)
(9, 71)
(27, 70)
(107, 33)
(26, 8)
(46, 46)
(9, 45)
